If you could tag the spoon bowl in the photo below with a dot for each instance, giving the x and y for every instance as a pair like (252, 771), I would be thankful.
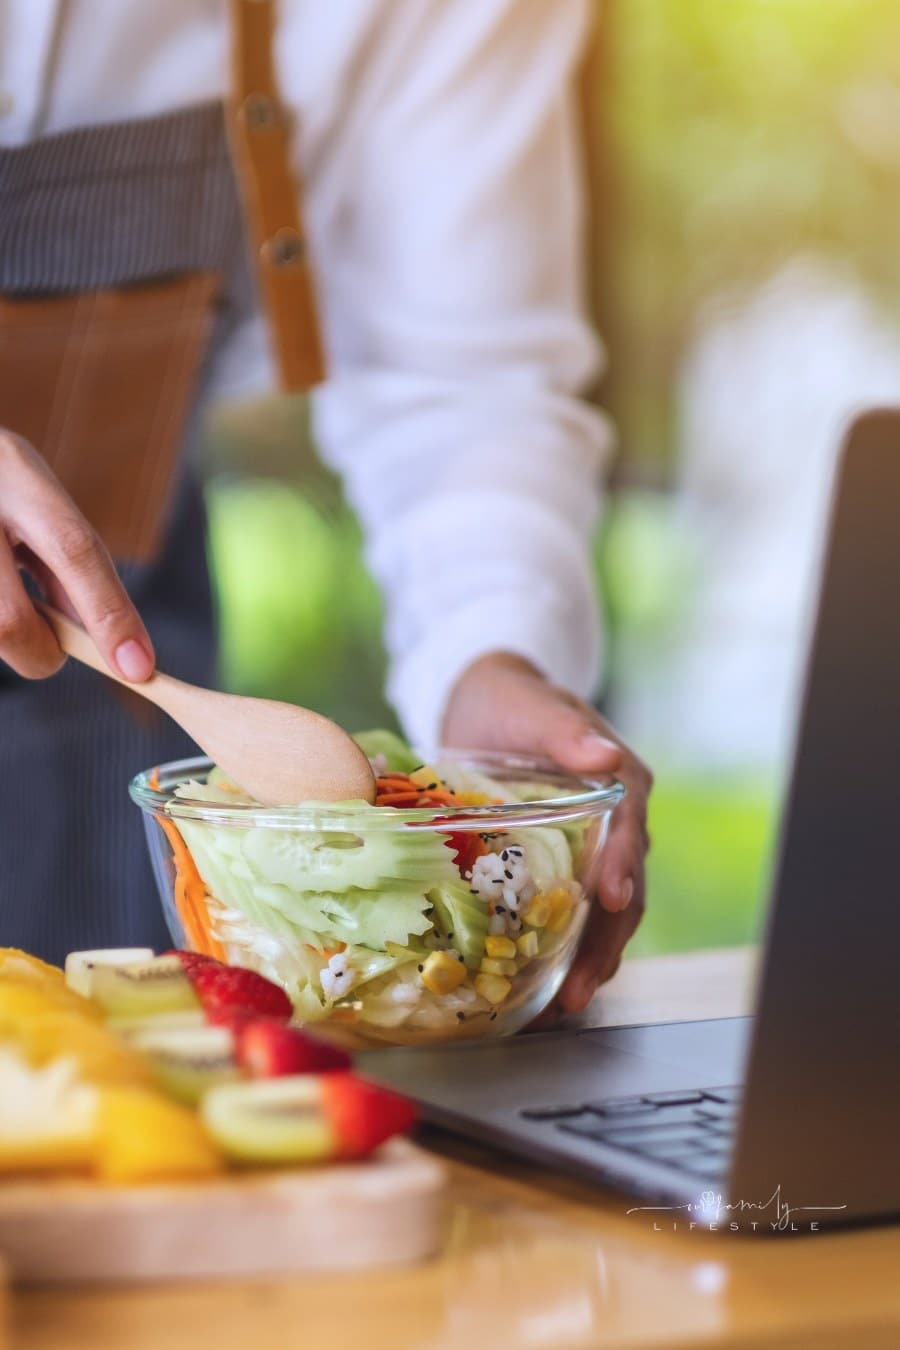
(279, 753)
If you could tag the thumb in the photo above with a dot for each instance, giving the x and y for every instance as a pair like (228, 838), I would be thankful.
(571, 738)
(545, 720)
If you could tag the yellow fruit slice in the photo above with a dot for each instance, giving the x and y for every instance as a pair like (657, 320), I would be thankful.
(46, 1117)
(97, 1054)
(19, 965)
(143, 1137)
(29, 994)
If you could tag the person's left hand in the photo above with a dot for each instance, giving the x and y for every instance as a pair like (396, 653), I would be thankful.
(501, 702)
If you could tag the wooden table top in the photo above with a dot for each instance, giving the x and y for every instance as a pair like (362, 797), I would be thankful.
(532, 1261)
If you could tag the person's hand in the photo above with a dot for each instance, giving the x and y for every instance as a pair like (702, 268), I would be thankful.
(43, 532)
(501, 702)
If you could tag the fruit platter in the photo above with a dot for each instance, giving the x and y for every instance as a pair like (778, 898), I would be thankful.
(163, 1116)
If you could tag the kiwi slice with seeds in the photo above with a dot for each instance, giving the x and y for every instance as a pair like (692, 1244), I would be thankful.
(142, 988)
(275, 1120)
(188, 1062)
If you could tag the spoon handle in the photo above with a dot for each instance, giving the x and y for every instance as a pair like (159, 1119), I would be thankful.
(160, 689)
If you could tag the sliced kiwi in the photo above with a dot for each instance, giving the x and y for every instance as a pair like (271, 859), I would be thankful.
(142, 988)
(276, 1120)
(80, 965)
(462, 918)
(190, 1061)
(133, 1027)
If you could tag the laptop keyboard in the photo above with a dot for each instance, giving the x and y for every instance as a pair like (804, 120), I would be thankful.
(692, 1131)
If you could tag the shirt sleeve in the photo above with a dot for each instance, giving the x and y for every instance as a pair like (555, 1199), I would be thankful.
(451, 291)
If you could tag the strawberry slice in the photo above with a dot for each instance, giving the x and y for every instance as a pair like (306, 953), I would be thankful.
(192, 960)
(267, 1048)
(232, 989)
(361, 1114)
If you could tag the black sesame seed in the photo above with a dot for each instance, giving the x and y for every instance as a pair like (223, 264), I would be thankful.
(498, 881)
(449, 936)
(492, 1016)
(505, 854)
(460, 1017)
(460, 957)
(472, 890)
(431, 787)
(507, 874)
(420, 968)
(499, 909)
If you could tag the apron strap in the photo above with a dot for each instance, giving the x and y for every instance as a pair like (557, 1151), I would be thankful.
(259, 130)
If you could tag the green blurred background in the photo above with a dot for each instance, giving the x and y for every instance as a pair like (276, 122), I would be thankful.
(723, 140)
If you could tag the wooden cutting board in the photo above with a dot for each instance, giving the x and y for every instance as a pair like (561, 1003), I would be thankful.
(381, 1212)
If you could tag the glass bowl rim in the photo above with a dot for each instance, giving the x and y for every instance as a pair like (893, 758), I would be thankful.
(599, 795)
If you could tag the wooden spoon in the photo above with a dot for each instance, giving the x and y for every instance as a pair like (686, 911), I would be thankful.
(278, 753)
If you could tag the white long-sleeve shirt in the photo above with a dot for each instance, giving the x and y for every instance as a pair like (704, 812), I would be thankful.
(435, 146)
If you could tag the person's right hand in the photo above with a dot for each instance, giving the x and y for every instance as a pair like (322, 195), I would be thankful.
(43, 532)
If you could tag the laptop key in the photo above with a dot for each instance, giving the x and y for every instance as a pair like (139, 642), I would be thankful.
(551, 1112)
(622, 1106)
(685, 1098)
(717, 1111)
(706, 1166)
(661, 1118)
(586, 1126)
(724, 1094)
(676, 1154)
(656, 1141)
(719, 1128)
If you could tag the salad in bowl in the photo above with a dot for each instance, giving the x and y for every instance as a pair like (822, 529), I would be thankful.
(450, 908)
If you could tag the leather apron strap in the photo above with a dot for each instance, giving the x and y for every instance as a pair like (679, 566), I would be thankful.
(259, 130)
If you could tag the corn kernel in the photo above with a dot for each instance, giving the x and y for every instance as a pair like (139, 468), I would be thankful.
(492, 987)
(442, 973)
(538, 911)
(528, 945)
(560, 909)
(500, 947)
(494, 966)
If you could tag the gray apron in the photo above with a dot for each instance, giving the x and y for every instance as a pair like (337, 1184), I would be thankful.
(112, 206)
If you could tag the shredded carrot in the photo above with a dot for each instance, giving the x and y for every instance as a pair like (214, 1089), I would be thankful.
(190, 896)
(398, 789)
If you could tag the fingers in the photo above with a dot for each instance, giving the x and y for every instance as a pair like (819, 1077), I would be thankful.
(605, 938)
(37, 512)
(26, 641)
(623, 856)
(569, 736)
(503, 703)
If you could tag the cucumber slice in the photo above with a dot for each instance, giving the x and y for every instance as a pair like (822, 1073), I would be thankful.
(397, 755)
(462, 918)
(336, 861)
(360, 918)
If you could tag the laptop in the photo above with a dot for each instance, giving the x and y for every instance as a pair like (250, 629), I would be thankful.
(790, 1119)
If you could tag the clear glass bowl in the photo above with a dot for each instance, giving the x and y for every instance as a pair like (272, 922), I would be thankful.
(390, 926)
